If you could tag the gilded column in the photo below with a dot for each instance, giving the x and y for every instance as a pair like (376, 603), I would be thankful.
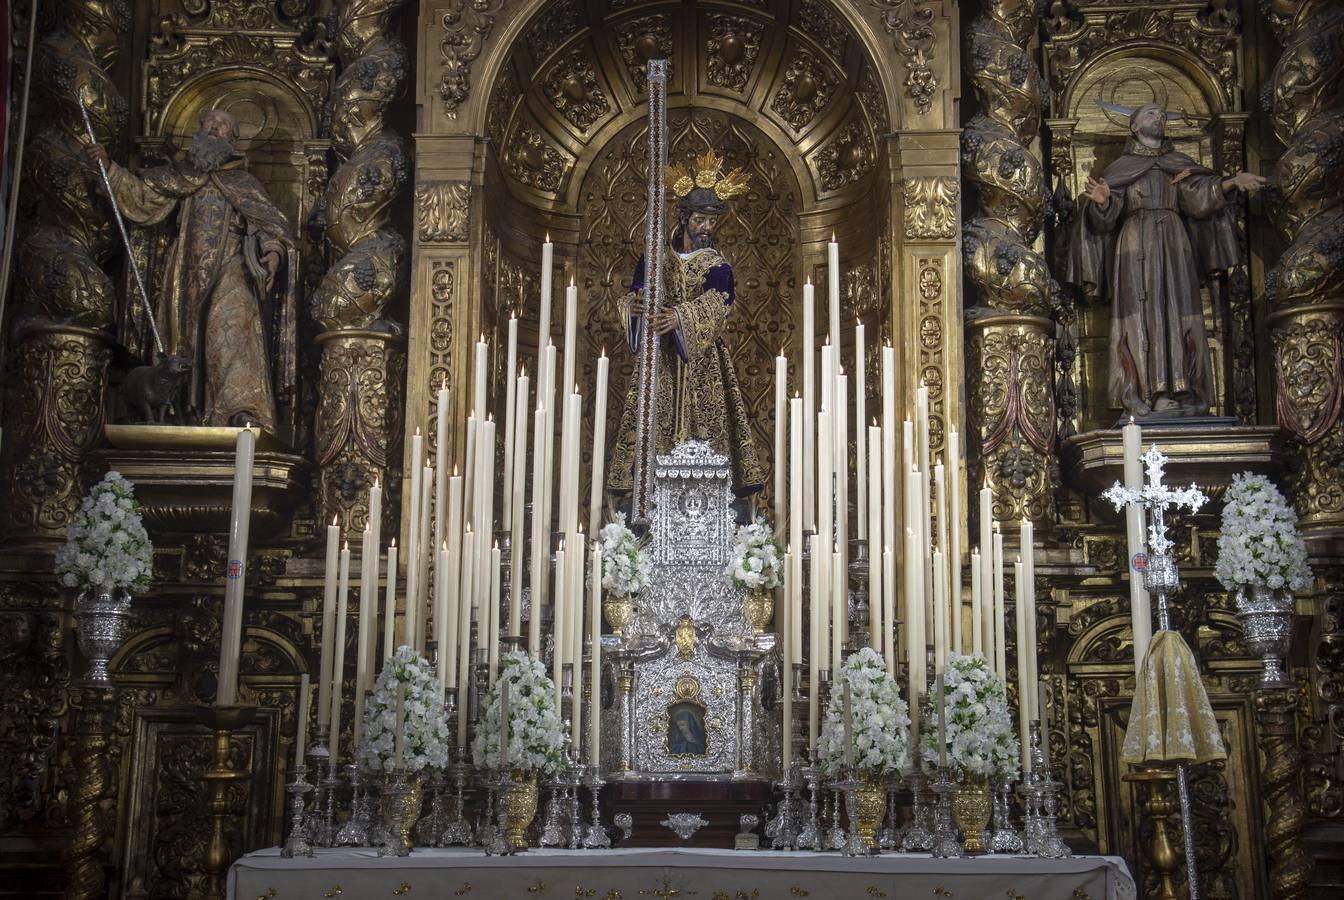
(1281, 795)
(1305, 291)
(90, 820)
(363, 364)
(1010, 341)
(55, 410)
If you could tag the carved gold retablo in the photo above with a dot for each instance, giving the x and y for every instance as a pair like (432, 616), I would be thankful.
(183, 476)
(1206, 454)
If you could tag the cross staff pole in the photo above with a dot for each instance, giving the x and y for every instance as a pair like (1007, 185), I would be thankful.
(121, 227)
(655, 244)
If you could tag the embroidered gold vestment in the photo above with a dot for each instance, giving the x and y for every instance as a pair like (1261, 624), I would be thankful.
(697, 396)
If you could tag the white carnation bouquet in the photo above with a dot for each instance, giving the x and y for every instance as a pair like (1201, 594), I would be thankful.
(979, 729)
(626, 569)
(881, 720)
(757, 558)
(106, 546)
(536, 734)
(423, 719)
(1259, 544)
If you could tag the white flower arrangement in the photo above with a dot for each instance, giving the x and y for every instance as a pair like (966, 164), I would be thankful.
(1259, 544)
(423, 719)
(757, 558)
(626, 569)
(106, 546)
(979, 731)
(881, 720)
(536, 734)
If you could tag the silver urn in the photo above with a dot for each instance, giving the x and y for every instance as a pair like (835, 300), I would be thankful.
(101, 617)
(1266, 617)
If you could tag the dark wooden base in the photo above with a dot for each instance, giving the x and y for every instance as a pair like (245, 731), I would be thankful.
(721, 803)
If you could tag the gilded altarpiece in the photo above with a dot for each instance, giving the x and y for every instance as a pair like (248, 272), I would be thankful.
(531, 118)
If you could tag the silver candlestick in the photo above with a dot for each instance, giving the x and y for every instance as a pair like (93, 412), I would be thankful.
(355, 831)
(1004, 838)
(499, 844)
(853, 844)
(396, 789)
(297, 842)
(918, 838)
(809, 838)
(945, 843)
(596, 838)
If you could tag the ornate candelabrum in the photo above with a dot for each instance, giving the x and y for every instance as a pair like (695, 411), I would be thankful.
(810, 837)
(1043, 834)
(596, 838)
(1004, 838)
(783, 828)
(224, 722)
(945, 844)
(355, 831)
(918, 837)
(297, 842)
(395, 789)
(457, 831)
(318, 758)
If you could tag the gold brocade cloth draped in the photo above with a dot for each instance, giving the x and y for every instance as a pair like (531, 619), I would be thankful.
(1171, 720)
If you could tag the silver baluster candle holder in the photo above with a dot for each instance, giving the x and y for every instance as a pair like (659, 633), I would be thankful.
(945, 843)
(853, 844)
(297, 842)
(396, 789)
(809, 838)
(1005, 838)
(596, 838)
(457, 830)
(499, 843)
(783, 828)
(355, 831)
(918, 837)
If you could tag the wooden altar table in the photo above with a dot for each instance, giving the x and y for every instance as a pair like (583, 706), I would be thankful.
(629, 874)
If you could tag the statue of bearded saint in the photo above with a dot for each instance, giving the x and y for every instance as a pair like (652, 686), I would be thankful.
(1147, 234)
(697, 394)
(226, 289)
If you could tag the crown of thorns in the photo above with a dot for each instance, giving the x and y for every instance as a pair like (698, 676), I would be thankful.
(707, 174)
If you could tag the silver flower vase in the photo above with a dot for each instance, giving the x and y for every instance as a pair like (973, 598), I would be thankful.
(1266, 617)
(101, 616)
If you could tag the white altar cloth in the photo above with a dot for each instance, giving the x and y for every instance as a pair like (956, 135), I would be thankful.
(630, 874)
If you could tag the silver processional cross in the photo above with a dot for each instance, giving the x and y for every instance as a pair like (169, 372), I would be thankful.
(1160, 576)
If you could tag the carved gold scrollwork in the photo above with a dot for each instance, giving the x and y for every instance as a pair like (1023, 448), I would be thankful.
(732, 47)
(1010, 362)
(931, 207)
(442, 211)
(910, 24)
(466, 27)
(54, 416)
(575, 92)
(805, 91)
(1305, 286)
(358, 419)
